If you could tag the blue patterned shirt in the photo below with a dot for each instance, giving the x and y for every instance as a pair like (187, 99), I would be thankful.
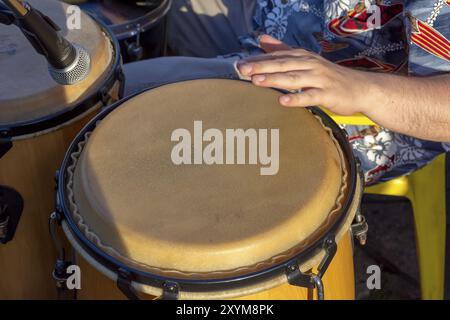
(386, 36)
(400, 36)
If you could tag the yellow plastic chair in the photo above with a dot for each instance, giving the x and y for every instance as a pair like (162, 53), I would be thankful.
(425, 189)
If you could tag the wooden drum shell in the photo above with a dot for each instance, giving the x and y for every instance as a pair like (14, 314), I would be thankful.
(338, 281)
(30, 167)
(52, 115)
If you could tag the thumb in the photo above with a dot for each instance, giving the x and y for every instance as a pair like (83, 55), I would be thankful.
(269, 44)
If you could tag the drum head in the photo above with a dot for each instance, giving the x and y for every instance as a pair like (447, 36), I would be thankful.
(27, 92)
(205, 221)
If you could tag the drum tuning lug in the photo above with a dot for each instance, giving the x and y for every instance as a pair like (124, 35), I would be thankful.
(360, 228)
(60, 274)
(11, 207)
(330, 247)
(134, 49)
(56, 217)
(305, 280)
(124, 283)
(105, 98)
(297, 278)
(5, 144)
(170, 291)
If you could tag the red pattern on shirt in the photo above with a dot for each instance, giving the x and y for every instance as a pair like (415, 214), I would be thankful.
(430, 40)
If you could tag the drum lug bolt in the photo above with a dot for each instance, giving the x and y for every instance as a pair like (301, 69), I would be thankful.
(360, 229)
(170, 291)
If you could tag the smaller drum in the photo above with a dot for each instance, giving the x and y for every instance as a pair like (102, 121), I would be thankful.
(38, 120)
(209, 231)
(140, 26)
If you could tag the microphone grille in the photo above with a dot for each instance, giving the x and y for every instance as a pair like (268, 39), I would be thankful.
(76, 72)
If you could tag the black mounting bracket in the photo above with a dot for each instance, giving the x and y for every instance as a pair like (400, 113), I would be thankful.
(5, 146)
(124, 283)
(330, 247)
(11, 207)
(310, 280)
(298, 278)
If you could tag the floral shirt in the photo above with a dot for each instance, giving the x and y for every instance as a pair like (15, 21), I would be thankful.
(386, 36)
(401, 36)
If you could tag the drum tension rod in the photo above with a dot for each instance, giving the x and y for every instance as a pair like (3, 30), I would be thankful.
(360, 228)
(311, 280)
(59, 273)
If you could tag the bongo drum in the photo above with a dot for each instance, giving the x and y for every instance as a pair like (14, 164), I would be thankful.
(138, 25)
(38, 120)
(160, 228)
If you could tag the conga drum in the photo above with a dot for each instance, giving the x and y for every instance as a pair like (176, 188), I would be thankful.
(215, 225)
(140, 26)
(38, 120)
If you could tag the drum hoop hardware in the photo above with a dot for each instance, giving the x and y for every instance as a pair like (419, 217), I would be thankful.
(55, 120)
(11, 208)
(171, 291)
(124, 283)
(59, 272)
(193, 285)
(360, 227)
(312, 280)
(145, 23)
(5, 145)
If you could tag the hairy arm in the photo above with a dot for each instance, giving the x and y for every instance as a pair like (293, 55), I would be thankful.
(416, 106)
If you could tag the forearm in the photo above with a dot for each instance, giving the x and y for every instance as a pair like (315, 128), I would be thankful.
(414, 106)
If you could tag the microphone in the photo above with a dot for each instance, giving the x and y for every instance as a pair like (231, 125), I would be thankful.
(67, 63)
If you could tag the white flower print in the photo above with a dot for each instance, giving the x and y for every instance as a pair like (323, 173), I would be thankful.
(263, 3)
(276, 23)
(334, 8)
(379, 148)
(409, 149)
(300, 6)
(446, 146)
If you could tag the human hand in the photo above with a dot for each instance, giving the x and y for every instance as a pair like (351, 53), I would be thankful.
(312, 79)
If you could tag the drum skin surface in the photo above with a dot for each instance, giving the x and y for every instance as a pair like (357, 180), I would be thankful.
(195, 219)
(208, 221)
(28, 92)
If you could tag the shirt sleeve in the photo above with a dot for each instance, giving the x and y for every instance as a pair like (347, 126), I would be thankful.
(428, 29)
